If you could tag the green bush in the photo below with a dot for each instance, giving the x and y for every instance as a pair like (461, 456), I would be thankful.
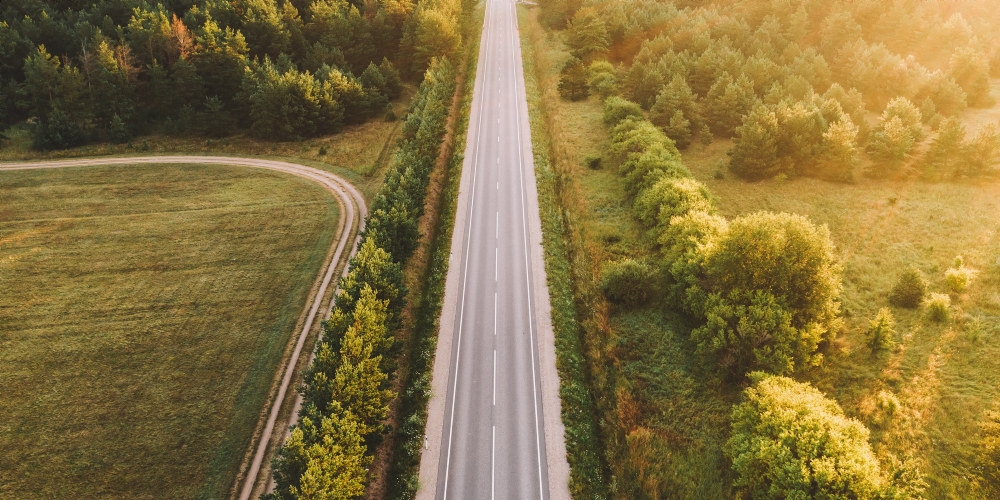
(628, 282)
(938, 306)
(881, 331)
(768, 294)
(601, 79)
(959, 277)
(593, 162)
(909, 290)
(617, 109)
(671, 197)
(790, 441)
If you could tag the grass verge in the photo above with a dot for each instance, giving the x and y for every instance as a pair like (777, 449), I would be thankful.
(144, 311)
(583, 441)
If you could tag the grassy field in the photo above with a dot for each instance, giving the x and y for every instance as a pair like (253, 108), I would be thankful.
(664, 418)
(143, 312)
(944, 375)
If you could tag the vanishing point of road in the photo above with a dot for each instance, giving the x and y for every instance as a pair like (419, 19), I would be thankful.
(494, 428)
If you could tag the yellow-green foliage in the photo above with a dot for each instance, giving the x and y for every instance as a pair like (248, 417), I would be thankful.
(329, 459)
(882, 331)
(938, 306)
(880, 230)
(959, 277)
(336, 466)
(669, 198)
(435, 32)
(617, 109)
(790, 441)
(769, 292)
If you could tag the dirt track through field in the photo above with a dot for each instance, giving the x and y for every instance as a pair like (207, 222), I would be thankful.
(351, 222)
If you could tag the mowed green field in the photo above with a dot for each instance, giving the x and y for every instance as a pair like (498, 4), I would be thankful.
(143, 312)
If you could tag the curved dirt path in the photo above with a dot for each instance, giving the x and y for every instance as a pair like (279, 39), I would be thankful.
(352, 219)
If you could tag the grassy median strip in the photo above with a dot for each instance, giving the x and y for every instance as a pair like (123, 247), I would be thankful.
(144, 310)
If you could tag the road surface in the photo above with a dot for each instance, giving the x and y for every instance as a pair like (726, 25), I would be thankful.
(352, 218)
(493, 421)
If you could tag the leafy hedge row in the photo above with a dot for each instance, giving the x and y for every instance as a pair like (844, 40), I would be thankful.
(346, 392)
(404, 471)
(763, 287)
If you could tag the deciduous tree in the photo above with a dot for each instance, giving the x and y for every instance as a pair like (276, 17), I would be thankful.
(790, 441)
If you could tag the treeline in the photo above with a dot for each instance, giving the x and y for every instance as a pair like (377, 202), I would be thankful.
(347, 392)
(762, 291)
(792, 83)
(279, 69)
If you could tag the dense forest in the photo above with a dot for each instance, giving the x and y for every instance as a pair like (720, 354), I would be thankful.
(286, 69)
(727, 355)
(811, 88)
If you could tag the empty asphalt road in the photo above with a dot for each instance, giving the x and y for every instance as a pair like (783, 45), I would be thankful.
(493, 426)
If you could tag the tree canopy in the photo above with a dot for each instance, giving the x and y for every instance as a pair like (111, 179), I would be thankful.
(279, 69)
(790, 441)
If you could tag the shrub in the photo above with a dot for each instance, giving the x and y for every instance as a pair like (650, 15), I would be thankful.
(959, 277)
(671, 197)
(909, 290)
(601, 79)
(790, 441)
(888, 406)
(770, 289)
(627, 282)
(684, 245)
(617, 109)
(881, 331)
(573, 80)
(593, 162)
(937, 306)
